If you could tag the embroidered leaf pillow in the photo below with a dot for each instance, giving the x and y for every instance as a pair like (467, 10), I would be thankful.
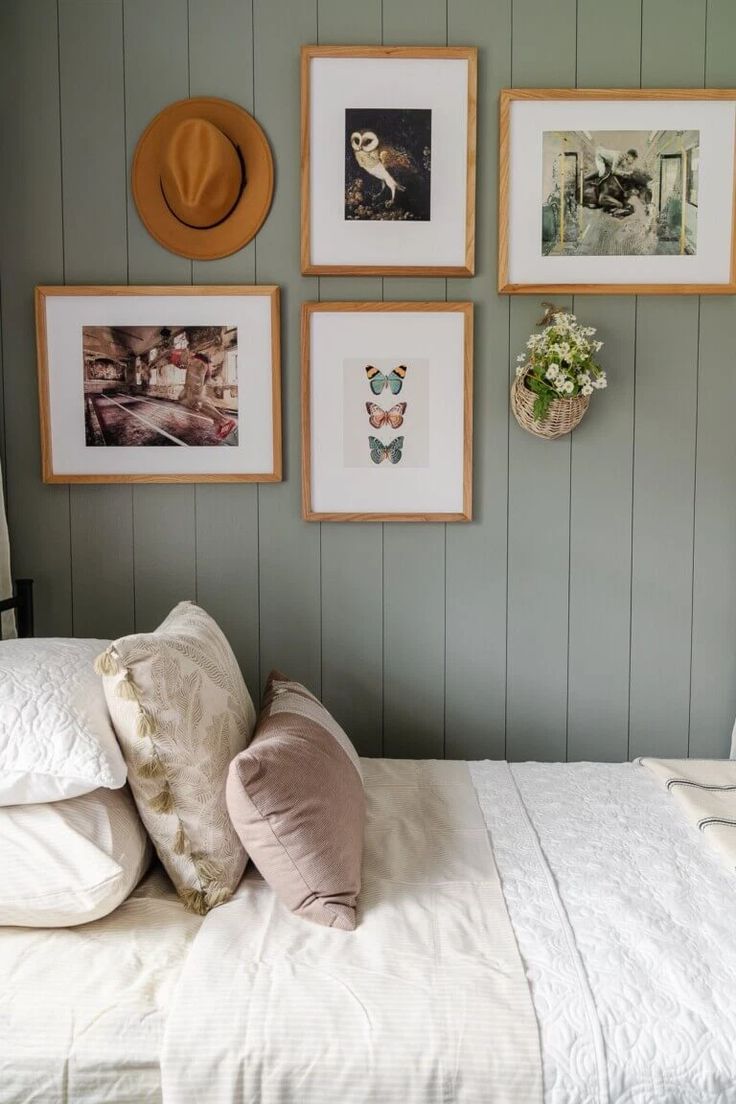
(181, 711)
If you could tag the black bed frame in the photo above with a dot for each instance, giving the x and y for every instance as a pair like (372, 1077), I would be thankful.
(22, 603)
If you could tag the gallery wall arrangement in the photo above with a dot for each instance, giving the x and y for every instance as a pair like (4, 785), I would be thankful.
(182, 167)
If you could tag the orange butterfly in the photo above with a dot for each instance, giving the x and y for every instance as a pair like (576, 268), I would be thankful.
(379, 417)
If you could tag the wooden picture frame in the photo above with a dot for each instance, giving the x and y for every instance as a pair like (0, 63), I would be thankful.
(462, 406)
(682, 285)
(70, 391)
(463, 251)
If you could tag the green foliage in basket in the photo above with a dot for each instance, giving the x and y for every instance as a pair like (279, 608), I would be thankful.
(560, 362)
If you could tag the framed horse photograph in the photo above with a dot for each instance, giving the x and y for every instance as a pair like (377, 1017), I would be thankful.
(627, 191)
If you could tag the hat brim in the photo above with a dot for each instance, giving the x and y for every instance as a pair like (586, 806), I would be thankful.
(249, 213)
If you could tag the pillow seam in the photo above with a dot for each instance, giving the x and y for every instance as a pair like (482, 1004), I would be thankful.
(67, 892)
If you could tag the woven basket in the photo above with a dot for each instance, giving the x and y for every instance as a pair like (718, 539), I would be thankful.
(562, 416)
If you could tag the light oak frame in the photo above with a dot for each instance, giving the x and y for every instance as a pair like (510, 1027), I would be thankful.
(463, 53)
(270, 291)
(508, 95)
(308, 309)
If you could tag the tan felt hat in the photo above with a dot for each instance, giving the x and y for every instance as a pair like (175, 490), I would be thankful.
(202, 177)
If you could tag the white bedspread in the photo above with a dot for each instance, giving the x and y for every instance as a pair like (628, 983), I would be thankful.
(425, 1003)
(625, 918)
(83, 1009)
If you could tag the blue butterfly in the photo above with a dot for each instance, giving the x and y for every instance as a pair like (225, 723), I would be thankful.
(393, 380)
(381, 452)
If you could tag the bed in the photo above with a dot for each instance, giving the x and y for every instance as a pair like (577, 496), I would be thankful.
(623, 920)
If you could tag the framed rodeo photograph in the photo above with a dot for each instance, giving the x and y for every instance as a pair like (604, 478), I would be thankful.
(159, 384)
(626, 191)
(388, 160)
(387, 411)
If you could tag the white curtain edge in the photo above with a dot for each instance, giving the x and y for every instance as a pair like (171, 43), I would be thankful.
(7, 620)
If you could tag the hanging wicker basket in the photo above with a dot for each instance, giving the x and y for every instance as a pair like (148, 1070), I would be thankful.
(562, 416)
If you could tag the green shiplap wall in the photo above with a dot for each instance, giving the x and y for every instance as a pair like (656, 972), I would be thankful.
(590, 609)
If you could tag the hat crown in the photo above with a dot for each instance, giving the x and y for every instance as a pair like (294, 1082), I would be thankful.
(201, 173)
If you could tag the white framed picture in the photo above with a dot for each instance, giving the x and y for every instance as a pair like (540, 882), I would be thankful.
(388, 160)
(626, 191)
(159, 384)
(387, 402)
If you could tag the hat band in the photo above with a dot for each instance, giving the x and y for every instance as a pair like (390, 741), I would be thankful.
(226, 216)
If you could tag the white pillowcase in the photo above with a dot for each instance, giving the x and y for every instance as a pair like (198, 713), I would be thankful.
(56, 737)
(69, 862)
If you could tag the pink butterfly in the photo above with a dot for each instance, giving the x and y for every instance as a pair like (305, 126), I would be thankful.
(379, 417)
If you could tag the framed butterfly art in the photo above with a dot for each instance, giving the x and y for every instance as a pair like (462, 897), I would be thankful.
(387, 411)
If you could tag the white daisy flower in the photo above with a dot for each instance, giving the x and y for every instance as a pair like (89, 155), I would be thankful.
(520, 359)
(586, 389)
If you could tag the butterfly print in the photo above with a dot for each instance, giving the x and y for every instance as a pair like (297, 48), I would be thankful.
(393, 380)
(381, 452)
(379, 417)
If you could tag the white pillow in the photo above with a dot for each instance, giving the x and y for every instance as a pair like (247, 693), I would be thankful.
(56, 737)
(69, 862)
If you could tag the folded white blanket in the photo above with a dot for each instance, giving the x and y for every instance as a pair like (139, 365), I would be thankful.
(425, 1003)
(706, 791)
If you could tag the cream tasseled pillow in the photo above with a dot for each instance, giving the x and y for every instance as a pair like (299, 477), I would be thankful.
(181, 711)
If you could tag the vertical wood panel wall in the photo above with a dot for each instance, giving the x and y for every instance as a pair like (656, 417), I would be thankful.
(589, 611)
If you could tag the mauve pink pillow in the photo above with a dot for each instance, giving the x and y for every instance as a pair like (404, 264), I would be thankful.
(295, 798)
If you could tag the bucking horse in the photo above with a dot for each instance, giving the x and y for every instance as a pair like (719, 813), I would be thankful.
(614, 192)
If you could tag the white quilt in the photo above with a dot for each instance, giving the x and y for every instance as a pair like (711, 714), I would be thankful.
(625, 918)
(425, 1003)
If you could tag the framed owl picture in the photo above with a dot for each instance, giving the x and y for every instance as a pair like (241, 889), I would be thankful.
(388, 160)
(387, 411)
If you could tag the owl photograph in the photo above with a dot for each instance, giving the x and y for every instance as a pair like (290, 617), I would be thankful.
(388, 164)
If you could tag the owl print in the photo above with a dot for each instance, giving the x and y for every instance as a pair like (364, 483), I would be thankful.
(388, 164)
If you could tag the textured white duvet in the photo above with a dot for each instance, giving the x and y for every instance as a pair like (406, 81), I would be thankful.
(625, 918)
